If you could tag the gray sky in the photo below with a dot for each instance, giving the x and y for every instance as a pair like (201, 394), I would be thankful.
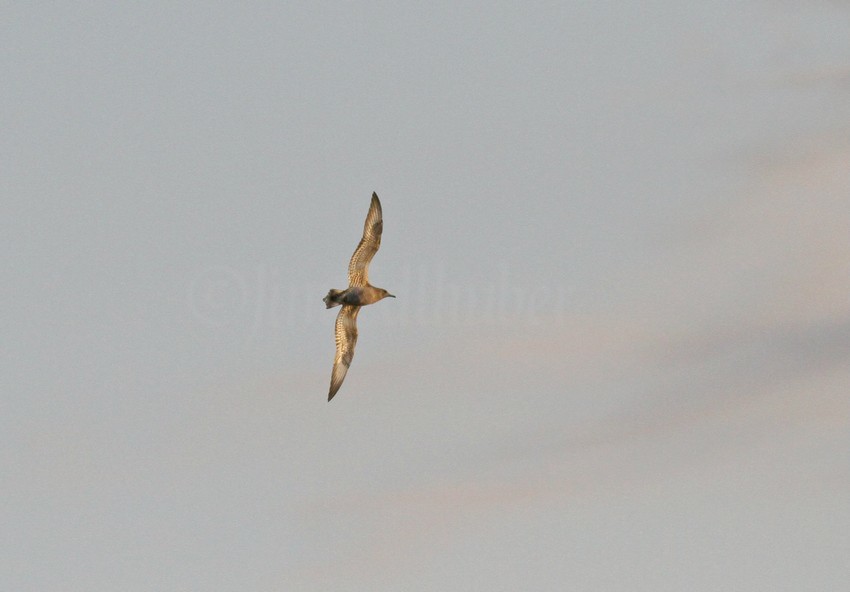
(618, 234)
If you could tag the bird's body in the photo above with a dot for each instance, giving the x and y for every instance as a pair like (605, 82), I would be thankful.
(359, 293)
(355, 295)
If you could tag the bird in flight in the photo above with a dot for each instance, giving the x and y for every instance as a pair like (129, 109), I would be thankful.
(359, 293)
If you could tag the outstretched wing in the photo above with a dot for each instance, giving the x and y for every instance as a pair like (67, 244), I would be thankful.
(346, 337)
(358, 268)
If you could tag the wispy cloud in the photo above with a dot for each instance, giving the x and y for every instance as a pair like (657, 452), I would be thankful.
(715, 396)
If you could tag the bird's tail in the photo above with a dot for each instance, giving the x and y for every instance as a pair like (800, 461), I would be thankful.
(331, 299)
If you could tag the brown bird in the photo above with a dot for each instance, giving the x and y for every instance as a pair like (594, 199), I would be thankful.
(359, 293)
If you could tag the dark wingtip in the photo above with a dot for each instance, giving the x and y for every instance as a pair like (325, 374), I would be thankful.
(333, 390)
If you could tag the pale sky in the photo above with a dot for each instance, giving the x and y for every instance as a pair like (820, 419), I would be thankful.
(619, 236)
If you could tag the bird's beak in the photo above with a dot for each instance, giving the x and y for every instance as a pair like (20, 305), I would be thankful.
(390, 295)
